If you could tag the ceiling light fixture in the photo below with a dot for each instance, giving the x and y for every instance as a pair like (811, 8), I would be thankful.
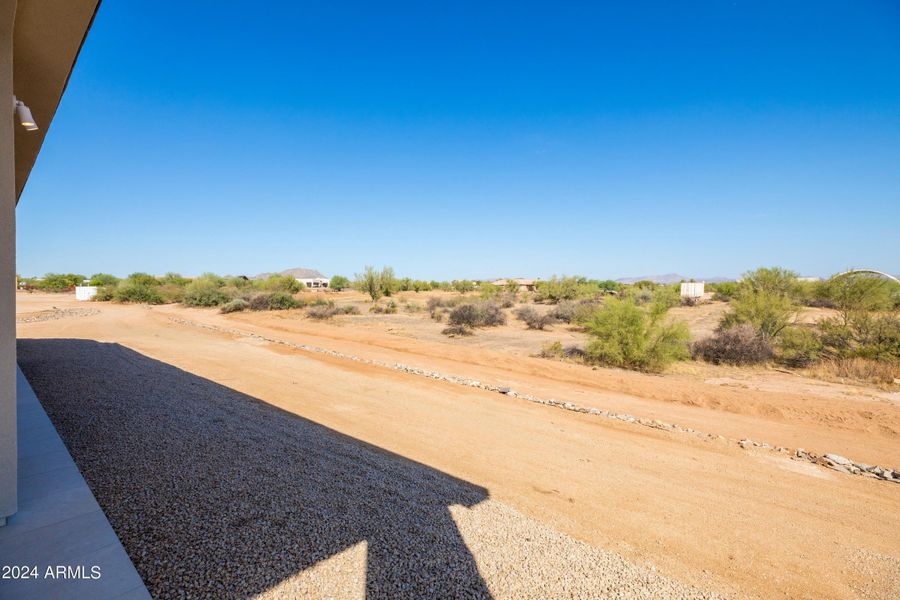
(24, 114)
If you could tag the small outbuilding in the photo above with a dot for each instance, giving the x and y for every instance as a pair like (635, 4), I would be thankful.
(692, 289)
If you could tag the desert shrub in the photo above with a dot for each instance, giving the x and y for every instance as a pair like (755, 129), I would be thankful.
(863, 335)
(690, 301)
(101, 279)
(490, 315)
(174, 279)
(282, 301)
(627, 335)
(856, 293)
(105, 293)
(551, 350)
(259, 301)
(457, 330)
(564, 311)
(339, 283)
(738, 345)
(584, 311)
(384, 309)
(557, 350)
(489, 291)
(204, 291)
(508, 299)
(799, 346)
(236, 305)
(608, 286)
(723, 291)
(557, 289)
(769, 313)
(639, 295)
(140, 278)
(280, 283)
(321, 312)
(774, 281)
(59, 282)
(376, 284)
(171, 293)
(389, 283)
(766, 299)
(437, 306)
(413, 307)
(866, 370)
(134, 290)
(483, 314)
(464, 315)
(463, 285)
(533, 318)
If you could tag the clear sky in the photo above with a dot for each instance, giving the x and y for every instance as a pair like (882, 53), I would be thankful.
(474, 139)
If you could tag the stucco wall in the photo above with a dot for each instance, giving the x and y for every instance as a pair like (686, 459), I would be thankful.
(7, 270)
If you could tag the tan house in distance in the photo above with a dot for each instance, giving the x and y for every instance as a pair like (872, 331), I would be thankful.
(525, 285)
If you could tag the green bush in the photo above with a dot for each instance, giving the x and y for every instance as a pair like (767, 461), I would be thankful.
(627, 335)
(205, 291)
(174, 279)
(282, 301)
(769, 313)
(861, 292)
(557, 289)
(862, 335)
(139, 291)
(105, 293)
(765, 298)
(723, 291)
(799, 346)
(280, 283)
(369, 282)
(236, 305)
(101, 279)
(339, 283)
(171, 293)
(60, 282)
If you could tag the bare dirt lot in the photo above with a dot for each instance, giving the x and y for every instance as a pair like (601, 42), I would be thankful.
(701, 510)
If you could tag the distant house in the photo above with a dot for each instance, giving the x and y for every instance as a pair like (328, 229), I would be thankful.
(316, 283)
(524, 285)
(311, 278)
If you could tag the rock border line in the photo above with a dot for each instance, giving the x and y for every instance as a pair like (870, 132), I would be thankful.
(835, 462)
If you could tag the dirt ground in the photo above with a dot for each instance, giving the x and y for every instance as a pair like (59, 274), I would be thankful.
(703, 511)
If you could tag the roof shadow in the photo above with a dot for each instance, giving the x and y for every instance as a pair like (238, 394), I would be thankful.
(216, 493)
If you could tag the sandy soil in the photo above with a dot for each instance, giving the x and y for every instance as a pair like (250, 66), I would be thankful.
(702, 511)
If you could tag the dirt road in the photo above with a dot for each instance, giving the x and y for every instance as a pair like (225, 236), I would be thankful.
(703, 511)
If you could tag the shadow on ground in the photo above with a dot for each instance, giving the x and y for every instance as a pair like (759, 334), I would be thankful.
(217, 494)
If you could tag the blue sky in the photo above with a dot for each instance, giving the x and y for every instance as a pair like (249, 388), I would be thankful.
(474, 139)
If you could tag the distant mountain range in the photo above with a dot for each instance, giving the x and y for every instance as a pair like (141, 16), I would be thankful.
(672, 278)
(297, 272)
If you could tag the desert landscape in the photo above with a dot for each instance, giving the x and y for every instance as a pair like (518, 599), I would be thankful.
(704, 480)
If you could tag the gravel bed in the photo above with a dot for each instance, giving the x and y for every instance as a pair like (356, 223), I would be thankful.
(55, 314)
(215, 494)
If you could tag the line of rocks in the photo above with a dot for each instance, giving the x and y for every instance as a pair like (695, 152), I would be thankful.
(57, 313)
(831, 461)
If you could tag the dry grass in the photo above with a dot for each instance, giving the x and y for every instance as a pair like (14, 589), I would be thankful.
(885, 375)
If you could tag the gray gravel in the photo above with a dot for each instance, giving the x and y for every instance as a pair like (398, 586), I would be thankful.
(215, 494)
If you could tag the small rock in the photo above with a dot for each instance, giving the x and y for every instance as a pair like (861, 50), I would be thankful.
(839, 460)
